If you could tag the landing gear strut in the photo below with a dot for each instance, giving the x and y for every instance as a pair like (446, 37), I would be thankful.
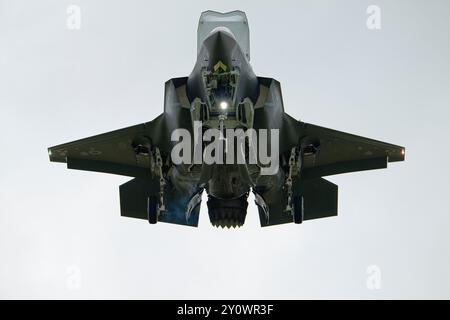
(155, 204)
(298, 209)
(152, 209)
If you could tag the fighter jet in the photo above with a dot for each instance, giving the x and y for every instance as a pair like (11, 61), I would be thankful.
(167, 157)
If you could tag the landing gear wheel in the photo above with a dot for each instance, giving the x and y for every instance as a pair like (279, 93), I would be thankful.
(152, 211)
(298, 209)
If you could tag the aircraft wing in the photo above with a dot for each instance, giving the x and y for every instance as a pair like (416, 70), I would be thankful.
(329, 152)
(123, 152)
(325, 152)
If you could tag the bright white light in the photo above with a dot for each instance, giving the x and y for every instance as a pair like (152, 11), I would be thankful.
(223, 105)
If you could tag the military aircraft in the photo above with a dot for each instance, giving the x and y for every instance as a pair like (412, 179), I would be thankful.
(223, 93)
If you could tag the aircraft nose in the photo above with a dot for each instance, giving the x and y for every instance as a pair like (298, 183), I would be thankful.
(222, 31)
(220, 45)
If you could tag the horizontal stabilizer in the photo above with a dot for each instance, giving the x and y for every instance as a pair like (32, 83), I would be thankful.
(181, 206)
(320, 199)
(134, 195)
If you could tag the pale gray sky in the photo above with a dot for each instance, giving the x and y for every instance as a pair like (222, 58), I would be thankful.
(61, 234)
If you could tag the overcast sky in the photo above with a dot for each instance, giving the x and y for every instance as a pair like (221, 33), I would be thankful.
(61, 234)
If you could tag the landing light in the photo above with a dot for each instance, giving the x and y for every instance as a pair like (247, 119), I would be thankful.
(223, 105)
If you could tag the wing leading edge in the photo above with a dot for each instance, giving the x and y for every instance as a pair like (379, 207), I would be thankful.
(123, 152)
(328, 152)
